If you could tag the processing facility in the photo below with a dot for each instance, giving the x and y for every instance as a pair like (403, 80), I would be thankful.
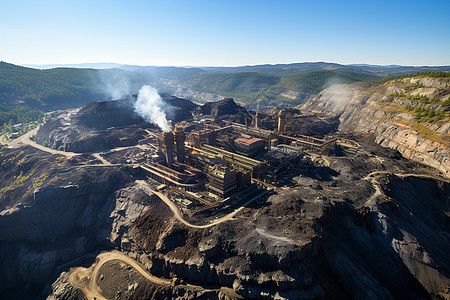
(211, 161)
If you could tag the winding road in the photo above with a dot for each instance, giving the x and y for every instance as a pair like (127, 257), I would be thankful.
(25, 140)
(85, 278)
(178, 216)
(372, 179)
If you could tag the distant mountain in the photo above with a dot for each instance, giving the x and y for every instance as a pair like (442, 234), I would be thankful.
(174, 73)
(283, 69)
(63, 87)
(277, 84)
(78, 66)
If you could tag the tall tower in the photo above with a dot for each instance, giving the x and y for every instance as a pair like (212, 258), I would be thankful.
(281, 121)
(168, 147)
(180, 137)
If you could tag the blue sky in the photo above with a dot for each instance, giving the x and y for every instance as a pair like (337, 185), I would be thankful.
(225, 33)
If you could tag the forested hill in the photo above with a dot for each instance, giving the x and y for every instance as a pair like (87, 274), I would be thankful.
(253, 87)
(58, 88)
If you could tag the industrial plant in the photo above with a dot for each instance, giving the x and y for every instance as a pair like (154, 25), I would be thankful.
(215, 162)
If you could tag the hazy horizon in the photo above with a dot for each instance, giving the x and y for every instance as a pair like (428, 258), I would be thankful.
(103, 65)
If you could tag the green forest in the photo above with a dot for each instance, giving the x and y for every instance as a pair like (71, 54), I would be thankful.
(26, 93)
(249, 87)
(60, 87)
(11, 115)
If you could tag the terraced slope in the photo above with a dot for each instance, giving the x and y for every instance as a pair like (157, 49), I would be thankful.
(411, 115)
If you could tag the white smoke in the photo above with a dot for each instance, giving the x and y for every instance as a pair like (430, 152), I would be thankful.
(115, 84)
(338, 93)
(149, 105)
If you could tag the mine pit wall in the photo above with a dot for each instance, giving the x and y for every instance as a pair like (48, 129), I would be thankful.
(53, 231)
(200, 270)
(360, 113)
(396, 136)
(293, 271)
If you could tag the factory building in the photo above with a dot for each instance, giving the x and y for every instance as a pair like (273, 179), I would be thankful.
(166, 171)
(249, 146)
(222, 180)
(208, 154)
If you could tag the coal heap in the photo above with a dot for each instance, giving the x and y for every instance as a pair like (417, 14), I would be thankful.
(101, 115)
(220, 108)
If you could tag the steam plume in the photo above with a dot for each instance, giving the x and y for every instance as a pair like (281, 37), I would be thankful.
(149, 106)
(338, 93)
(115, 84)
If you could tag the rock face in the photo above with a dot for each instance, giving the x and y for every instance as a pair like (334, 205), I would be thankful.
(382, 111)
(63, 217)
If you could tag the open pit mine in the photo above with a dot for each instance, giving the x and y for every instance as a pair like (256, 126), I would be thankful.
(227, 204)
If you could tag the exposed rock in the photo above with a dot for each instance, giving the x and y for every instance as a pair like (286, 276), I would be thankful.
(370, 109)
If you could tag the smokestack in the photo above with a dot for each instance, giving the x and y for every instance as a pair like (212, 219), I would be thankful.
(257, 117)
(281, 121)
(180, 137)
(168, 146)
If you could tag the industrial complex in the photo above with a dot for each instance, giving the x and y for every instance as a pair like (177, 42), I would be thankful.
(213, 162)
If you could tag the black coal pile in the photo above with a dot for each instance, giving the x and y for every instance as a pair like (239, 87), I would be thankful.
(220, 108)
(104, 125)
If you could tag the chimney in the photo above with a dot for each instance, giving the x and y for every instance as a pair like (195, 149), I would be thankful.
(180, 137)
(168, 146)
(281, 121)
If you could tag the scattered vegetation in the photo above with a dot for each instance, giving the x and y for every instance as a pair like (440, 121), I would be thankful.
(397, 95)
(18, 180)
(423, 98)
(418, 85)
(60, 159)
(429, 115)
(446, 102)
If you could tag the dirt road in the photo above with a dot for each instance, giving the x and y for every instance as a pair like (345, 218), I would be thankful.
(25, 140)
(371, 177)
(85, 278)
(179, 217)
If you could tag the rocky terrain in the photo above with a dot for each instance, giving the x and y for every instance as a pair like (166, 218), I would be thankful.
(411, 115)
(352, 229)
(49, 206)
(366, 223)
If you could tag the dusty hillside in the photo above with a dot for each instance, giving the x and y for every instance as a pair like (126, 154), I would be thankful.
(411, 115)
